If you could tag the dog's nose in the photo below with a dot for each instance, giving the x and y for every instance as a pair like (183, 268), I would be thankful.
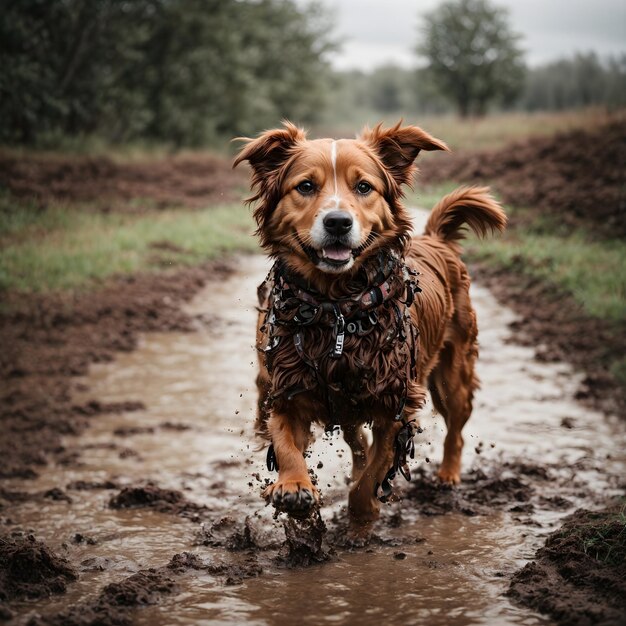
(338, 223)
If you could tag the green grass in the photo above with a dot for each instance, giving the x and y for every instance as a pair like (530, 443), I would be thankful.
(69, 247)
(603, 537)
(607, 542)
(593, 272)
(425, 197)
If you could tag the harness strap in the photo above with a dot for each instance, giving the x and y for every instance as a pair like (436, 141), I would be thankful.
(404, 445)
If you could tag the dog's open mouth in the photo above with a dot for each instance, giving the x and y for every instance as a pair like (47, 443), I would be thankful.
(335, 254)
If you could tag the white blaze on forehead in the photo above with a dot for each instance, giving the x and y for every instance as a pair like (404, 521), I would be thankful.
(318, 232)
(333, 159)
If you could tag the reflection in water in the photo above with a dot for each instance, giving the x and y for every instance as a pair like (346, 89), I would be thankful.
(449, 569)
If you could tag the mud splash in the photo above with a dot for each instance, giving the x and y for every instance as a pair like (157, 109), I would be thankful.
(185, 478)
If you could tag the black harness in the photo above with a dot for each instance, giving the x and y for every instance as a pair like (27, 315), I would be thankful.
(293, 304)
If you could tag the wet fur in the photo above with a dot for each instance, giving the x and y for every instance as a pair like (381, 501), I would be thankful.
(372, 378)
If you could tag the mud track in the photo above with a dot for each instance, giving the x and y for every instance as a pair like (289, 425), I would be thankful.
(156, 505)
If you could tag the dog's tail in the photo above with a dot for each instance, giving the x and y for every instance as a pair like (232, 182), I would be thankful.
(466, 206)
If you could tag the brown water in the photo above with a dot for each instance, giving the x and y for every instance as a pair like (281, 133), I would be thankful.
(445, 569)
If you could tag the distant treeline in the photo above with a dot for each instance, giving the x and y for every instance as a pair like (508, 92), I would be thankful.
(188, 72)
(197, 72)
(582, 81)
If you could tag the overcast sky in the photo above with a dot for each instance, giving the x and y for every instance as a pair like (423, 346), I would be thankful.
(374, 32)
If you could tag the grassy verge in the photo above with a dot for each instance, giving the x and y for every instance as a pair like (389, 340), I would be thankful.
(69, 247)
(594, 272)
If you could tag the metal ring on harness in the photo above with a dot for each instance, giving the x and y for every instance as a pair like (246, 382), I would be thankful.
(271, 460)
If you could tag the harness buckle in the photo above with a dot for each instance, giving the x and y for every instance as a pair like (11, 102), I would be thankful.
(340, 327)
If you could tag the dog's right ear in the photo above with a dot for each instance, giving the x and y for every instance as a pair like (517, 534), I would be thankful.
(270, 149)
(266, 155)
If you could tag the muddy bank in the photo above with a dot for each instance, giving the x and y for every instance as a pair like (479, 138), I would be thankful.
(579, 576)
(195, 180)
(575, 177)
(555, 325)
(49, 340)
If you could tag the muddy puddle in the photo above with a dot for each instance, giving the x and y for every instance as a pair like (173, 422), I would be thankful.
(183, 475)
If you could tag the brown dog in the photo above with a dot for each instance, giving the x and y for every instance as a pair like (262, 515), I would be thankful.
(358, 317)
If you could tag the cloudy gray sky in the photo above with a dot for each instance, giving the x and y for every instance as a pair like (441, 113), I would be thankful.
(374, 32)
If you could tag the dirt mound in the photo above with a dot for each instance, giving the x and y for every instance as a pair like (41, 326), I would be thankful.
(192, 181)
(116, 603)
(48, 339)
(579, 576)
(29, 569)
(576, 177)
(153, 497)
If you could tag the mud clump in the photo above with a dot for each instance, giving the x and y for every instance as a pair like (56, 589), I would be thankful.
(513, 485)
(233, 573)
(115, 604)
(91, 485)
(194, 181)
(129, 431)
(576, 176)
(482, 488)
(304, 539)
(579, 576)
(231, 534)
(162, 500)
(29, 569)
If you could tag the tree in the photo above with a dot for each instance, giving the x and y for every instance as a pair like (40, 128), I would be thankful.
(189, 72)
(581, 81)
(473, 56)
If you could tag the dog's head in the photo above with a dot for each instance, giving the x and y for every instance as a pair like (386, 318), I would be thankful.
(324, 205)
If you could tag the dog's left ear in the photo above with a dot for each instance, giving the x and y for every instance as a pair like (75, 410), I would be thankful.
(399, 146)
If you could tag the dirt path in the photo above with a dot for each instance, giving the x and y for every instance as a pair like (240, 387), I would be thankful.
(441, 556)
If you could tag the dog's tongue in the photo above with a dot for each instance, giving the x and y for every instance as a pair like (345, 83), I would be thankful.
(337, 253)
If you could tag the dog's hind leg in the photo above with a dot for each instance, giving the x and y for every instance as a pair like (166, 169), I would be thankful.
(355, 437)
(294, 491)
(452, 384)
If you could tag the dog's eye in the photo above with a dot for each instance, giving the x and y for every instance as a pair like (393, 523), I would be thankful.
(306, 187)
(363, 187)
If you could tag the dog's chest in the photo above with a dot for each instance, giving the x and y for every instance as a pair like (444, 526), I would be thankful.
(375, 363)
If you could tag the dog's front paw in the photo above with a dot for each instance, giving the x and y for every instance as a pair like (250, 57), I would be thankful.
(295, 497)
(449, 476)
